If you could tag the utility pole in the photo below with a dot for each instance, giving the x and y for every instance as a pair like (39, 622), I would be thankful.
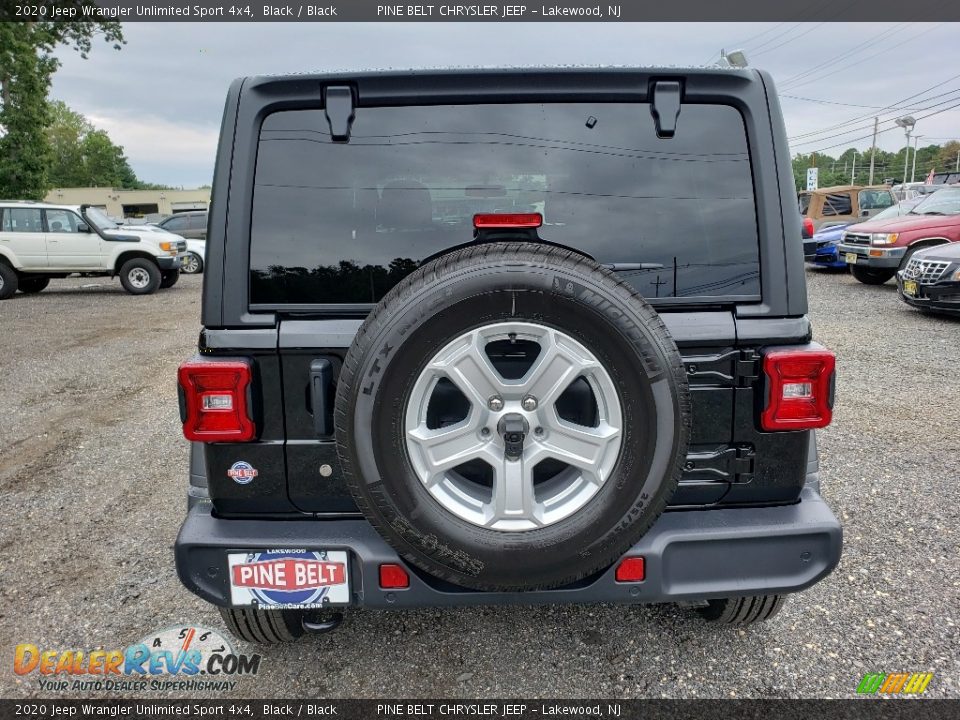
(873, 148)
(913, 171)
(853, 170)
(958, 161)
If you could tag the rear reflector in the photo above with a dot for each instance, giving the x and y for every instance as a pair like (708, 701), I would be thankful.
(507, 220)
(800, 389)
(631, 569)
(393, 577)
(214, 400)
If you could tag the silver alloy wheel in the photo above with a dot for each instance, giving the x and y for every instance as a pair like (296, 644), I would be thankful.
(138, 278)
(516, 500)
(191, 264)
(1, 283)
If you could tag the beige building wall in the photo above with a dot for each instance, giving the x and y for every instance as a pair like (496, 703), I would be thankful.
(132, 203)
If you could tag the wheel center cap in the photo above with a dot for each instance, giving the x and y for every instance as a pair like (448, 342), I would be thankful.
(513, 428)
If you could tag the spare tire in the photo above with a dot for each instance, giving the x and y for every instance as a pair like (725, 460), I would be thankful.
(512, 416)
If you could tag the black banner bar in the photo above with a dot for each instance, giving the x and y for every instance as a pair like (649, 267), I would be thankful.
(559, 11)
(872, 709)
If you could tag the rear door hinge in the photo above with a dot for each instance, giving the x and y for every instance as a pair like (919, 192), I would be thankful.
(729, 464)
(748, 368)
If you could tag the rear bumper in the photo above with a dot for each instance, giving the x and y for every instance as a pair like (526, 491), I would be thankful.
(690, 555)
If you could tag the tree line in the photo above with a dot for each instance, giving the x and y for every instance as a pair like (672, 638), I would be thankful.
(854, 165)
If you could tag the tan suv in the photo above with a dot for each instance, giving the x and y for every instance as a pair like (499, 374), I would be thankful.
(844, 204)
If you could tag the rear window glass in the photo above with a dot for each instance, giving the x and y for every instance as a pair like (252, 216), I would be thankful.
(344, 222)
(837, 204)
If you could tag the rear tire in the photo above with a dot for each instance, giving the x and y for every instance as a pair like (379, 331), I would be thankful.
(140, 276)
(33, 284)
(169, 278)
(872, 276)
(8, 281)
(742, 610)
(264, 627)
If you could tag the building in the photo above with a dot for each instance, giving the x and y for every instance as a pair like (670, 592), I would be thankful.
(133, 203)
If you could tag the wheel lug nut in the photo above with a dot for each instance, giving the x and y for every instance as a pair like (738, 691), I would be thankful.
(495, 403)
(529, 403)
(485, 432)
(538, 431)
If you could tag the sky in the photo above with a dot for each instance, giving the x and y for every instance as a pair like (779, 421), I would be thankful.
(161, 96)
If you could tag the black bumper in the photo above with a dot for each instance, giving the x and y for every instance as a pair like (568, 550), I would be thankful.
(690, 555)
(943, 297)
(170, 262)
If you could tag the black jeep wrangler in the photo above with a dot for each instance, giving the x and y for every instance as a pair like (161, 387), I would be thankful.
(503, 336)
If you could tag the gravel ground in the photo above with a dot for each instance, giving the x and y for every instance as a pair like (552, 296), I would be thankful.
(93, 472)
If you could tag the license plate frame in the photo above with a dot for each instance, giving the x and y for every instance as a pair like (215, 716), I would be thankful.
(911, 288)
(288, 579)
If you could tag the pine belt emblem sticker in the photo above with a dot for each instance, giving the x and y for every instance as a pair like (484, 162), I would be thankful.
(242, 472)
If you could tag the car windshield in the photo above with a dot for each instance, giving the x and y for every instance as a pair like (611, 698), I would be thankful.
(945, 201)
(100, 219)
(901, 208)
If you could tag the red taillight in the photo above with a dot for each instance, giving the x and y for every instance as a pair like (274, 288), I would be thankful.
(393, 577)
(215, 406)
(631, 569)
(808, 226)
(799, 389)
(507, 220)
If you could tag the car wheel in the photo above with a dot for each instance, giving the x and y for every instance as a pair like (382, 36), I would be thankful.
(512, 417)
(8, 281)
(169, 278)
(33, 284)
(192, 264)
(742, 610)
(265, 627)
(872, 276)
(140, 276)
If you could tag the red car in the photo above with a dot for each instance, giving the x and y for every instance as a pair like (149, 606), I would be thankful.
(876, 250)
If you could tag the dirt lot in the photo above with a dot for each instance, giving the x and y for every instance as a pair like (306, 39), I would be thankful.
(93, 474)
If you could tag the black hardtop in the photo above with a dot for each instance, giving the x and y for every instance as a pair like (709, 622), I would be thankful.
(227, 302)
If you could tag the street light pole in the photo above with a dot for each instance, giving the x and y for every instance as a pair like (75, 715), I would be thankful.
(873, 148)
(913, 171)
(906, 122)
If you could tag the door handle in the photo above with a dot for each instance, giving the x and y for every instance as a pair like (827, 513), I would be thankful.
(321, 387)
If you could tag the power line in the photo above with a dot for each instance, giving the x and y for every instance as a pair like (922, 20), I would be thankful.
(953, 97)
(885, 51)
(846, 54)
(894, 106)
(864, 137)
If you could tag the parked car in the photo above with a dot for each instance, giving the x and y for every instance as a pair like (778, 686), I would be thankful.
(821, 249)
(931, 280)
(196, 249)
(40, 241)
(876, 250)
(397, 407)
(946, 178)
(191, 224)
(844, 204)
(914, 190)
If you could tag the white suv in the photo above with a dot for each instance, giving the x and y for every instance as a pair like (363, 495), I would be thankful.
(39, 241)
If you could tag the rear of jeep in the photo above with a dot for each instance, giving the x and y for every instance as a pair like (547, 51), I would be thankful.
(511, 336)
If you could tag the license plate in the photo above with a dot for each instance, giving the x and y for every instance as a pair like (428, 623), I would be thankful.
(910, 287)
(850, 258)
(289, 578)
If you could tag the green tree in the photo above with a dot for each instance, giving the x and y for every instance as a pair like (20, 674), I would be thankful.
(82, 156)
(27, 65)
